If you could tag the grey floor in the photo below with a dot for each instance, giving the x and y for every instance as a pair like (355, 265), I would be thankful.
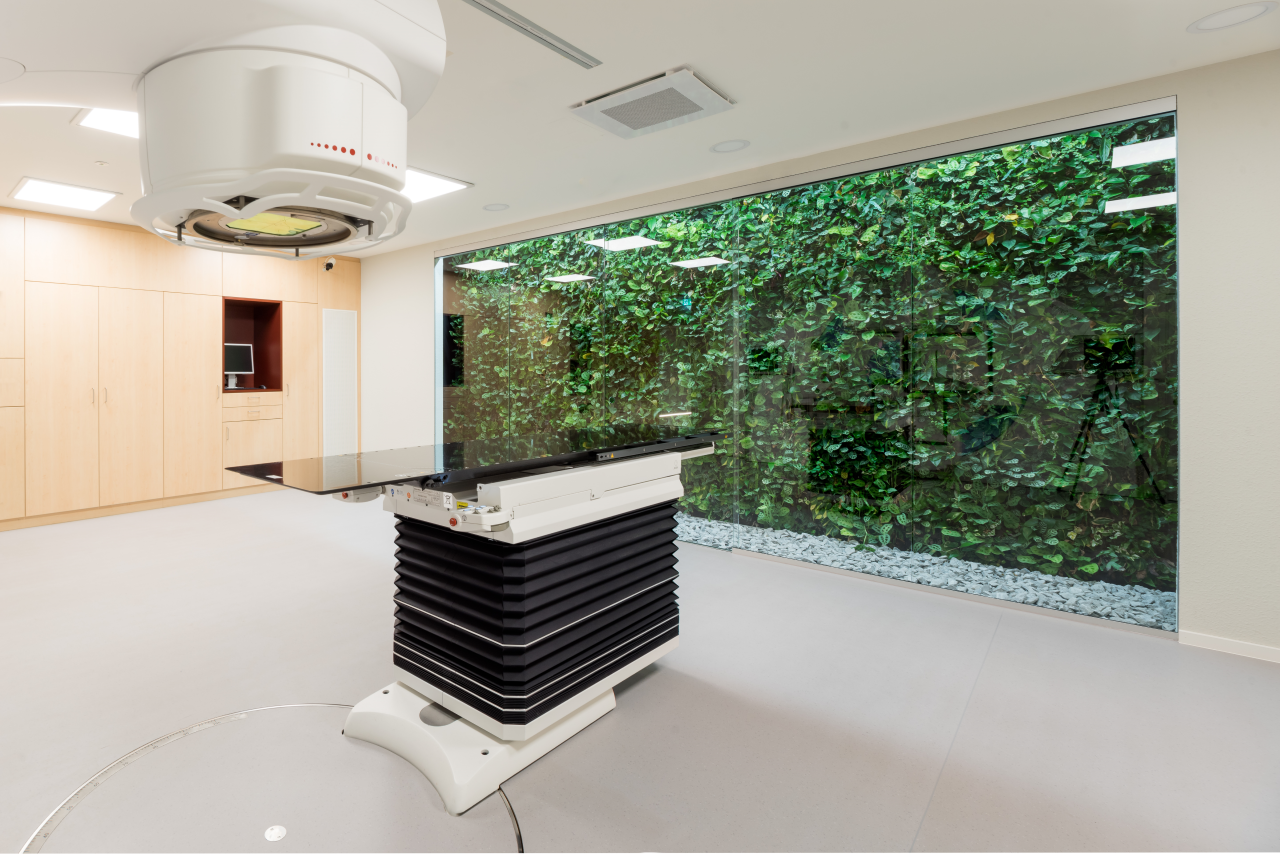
(803, 710)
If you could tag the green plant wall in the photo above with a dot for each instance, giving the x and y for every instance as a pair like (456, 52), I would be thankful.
(966, 357)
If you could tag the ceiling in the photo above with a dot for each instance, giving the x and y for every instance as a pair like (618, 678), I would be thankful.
(807, 76)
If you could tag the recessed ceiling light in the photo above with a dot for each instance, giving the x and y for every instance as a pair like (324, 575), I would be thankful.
(498, 206)
(1139, 202)
(1231, 17)
(1144, 152)
(729, 146)
(709, 261)
(100, 162)
(420, 186)
(62, 195)
(122, 122)
(485, 266)
(623, 243)
(572, 277)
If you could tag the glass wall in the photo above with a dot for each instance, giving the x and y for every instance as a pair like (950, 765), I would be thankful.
(960, 373)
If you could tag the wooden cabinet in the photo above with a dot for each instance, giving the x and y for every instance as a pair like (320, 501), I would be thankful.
(301, 381)
(252, 398)
(131, 395)
(248, 442)
(163, 266)
(259, 277)
(252, 413)
(61, 397)
(70, 253)
(11, 287)
(192, 394)
(11, 382)
(12, 455)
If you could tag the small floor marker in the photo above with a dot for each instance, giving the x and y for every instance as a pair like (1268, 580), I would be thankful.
(275, 833)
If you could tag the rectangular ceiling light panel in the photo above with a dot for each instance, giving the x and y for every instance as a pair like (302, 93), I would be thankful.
(62, 195)
(420, 186)
(122, 122)
(485, 266)
(663, 102)
(709, 261)
(1140, 202)
(623, 243)
(1144, 152)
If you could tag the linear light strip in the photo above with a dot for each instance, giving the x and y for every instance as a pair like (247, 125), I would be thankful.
(1140, 202)
(521, 24)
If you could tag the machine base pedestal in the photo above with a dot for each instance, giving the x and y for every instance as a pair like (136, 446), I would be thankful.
(463, 762)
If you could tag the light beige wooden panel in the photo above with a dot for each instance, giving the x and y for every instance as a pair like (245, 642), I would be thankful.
(262, 398)
(259, 277)
(11, 462)
(11, 286)
(61, 397)
(340, 288)
(248, 442)
(252, 413)
(10, 382)
(299, 281)
(131, 403)
(162, 266)
(82, 254)
(192, 393)
(301, 365)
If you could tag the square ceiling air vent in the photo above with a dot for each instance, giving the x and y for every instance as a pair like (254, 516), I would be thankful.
(661, 102)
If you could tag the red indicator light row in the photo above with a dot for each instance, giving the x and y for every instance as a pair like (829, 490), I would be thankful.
(344, 149)
(352, 152)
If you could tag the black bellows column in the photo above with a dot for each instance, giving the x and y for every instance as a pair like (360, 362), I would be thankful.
(515, 630)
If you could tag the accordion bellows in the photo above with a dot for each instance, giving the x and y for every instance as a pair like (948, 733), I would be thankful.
(515, 630)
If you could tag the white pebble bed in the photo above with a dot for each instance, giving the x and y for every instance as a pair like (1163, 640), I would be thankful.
(1140, 606)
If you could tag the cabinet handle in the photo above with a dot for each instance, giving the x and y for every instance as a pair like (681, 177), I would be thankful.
(92, 398)
(286, 389)
(228, 434)
(104, 395)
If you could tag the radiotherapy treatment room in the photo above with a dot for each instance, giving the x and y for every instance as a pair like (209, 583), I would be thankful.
(567, 426)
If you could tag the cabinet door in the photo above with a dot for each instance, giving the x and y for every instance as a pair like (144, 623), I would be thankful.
(248, 442)
(301, 381)
(11, 287)
(192, 393)
(61, 397)
(11, 456)
(131, 400)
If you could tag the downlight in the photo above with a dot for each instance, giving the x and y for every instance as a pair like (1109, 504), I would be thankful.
(289, 141)
(1231, 17)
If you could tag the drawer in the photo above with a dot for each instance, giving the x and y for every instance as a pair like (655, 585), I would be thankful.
(252, 413)
(261, 398)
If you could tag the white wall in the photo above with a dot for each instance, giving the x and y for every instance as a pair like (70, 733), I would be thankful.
(1229, 210)
(397, 347)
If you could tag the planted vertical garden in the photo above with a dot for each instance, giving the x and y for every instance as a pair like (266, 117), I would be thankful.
(969, 361)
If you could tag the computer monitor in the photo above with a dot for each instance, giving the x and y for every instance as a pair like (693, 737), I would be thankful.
(236, 359)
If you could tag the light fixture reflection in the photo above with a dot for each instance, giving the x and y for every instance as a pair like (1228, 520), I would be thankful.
(709, 261)
(623, 243)
(1140, 202)
(572, 277)
(1144, 152)
(484, 266)
(673, 414)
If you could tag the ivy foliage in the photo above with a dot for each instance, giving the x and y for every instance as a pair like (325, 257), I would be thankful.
(967, 357)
